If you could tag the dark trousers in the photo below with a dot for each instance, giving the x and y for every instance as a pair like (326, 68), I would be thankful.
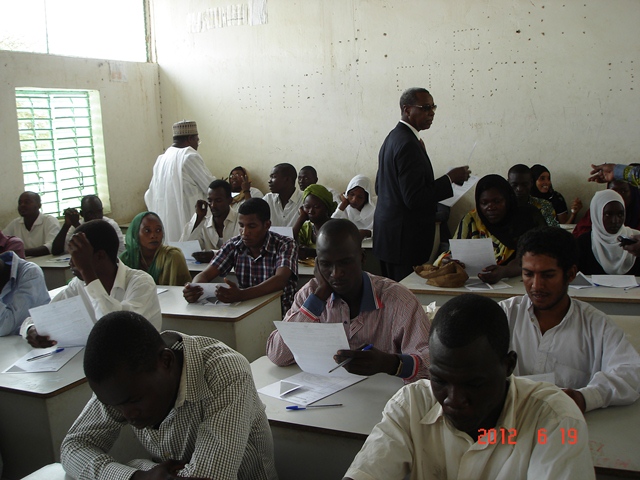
(395, 271)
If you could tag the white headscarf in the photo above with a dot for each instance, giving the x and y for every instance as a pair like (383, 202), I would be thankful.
(605, 246)
(363, 182)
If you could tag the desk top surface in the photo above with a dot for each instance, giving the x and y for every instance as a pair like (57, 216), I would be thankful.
(43, 384)
(51, 261)
(173, 304)
(418, 286)
(362, 403)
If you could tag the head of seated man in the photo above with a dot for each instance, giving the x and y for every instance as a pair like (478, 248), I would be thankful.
(29, 204)
(91, 208)
(254, 220)
(307, 176)
(521, 181)
(282, 179)
(474, 419)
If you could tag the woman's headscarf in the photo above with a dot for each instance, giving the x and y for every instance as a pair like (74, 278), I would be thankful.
(323, 194)
(239, 197)
(604, 245)
(364, 183)
(536, 171)
(516, 221)
(131, 254)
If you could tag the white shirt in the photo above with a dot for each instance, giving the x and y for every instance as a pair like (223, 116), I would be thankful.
(180, 179)
(207, 235)
(414, 437)
(43, 231)
(132, 291)
(586, 351)
(287, 216)
(110, 221)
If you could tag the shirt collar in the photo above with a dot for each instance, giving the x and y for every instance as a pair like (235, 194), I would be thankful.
(415, 132)
(268, 246)
(121, 277)
(295, 198)
(369, 301)
(533, 318)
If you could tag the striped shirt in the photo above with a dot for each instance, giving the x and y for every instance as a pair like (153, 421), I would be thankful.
(277, 251)
(390, 318)
(218, 425)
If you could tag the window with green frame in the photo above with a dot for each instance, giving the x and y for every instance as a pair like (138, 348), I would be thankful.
(58, 145)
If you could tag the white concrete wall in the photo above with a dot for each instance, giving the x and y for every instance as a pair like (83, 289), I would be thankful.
(130, 114)
(549, 82)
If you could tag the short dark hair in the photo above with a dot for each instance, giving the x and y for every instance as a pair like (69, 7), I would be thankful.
(519, 168)
(554, 242)
(467, 317)
(91, 199)
(311, 169)
(221, 184)
(238, 168)
(341, 228)
(35, 194)
(288, 170)
(256, 206)
(101, 236)
(410, 96)
(118, 340)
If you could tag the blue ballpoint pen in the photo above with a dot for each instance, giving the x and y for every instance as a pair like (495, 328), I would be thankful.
(297, 407)
(368, 347)
(57, 350)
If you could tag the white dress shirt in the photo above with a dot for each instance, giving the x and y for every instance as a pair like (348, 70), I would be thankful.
(43, 231)
(586, 351)
(132, 291)
(415, 438)
(287, 216)
(207, 235)
(110, 221)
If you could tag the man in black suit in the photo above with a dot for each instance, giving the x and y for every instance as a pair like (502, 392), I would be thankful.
(407, 191)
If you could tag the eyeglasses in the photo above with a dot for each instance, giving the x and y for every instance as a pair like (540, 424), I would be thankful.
(426, 108)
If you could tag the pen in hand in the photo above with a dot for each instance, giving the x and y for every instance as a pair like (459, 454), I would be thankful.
(57, 350)
(343, 363)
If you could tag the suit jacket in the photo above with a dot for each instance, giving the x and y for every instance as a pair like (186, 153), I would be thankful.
(404, 222)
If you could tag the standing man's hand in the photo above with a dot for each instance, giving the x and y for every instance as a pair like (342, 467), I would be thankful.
(459, 175)
(602, 173)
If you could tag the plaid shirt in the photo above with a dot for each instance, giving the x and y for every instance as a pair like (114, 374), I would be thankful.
(390, 318)
(218, 425)
(277, 251)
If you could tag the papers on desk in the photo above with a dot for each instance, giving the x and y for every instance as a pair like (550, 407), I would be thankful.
(459, 191)
(618, 281)
(61, 259)
(51, 363)
(476, 254)
(580, 282)
(68, 321)
(477, 285)
(187, 248)
(313, 346)
(284, 231)
(209, 295)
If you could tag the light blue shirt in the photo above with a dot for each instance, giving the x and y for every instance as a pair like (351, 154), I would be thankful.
(24, 290)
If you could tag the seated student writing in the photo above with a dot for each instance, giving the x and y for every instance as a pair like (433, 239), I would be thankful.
(600, 249)
(264, 261)
(22, 287)
(317, 207)
(374, 310)
(212, 229)
(497, 216)
(590, 357)
(36, 229)
(146, 251)
(191, 402)
(108, 283)
(241, 187)
(474, 419)
(357, 205)
(90, 209)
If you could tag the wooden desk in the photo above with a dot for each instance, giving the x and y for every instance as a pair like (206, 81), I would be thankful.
(57, 272)
(36, 409)
(244, 327)
(612, 301)
(312, 444)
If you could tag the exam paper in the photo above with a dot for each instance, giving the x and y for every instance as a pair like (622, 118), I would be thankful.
(187, 248)
(286, 231)
(459, 191)
(52, 363)
(312, 387)
(476, 254)
(209, 295)
(619, 281)
(314, 344)
(580, 282)
(68, 321)
(476, 285)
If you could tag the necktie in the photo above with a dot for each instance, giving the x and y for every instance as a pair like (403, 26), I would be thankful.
(422, 145)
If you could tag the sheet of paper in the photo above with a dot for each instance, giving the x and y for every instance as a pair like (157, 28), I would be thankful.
(618, 281)
(314, 344)
(161, 290)
(580, 282)
(459, 191)
(187, 248)
(209, 295)
(52, 363)
(68, 321)
(476, 254)
(478, 285)
(286, 231)
(312, 387)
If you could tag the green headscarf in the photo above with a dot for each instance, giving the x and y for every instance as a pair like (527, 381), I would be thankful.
(131, 255)
(323, 194)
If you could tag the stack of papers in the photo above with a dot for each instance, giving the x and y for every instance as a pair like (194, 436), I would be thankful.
(617, 281)
(476, 254)
(187, 248)
(51, 363)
